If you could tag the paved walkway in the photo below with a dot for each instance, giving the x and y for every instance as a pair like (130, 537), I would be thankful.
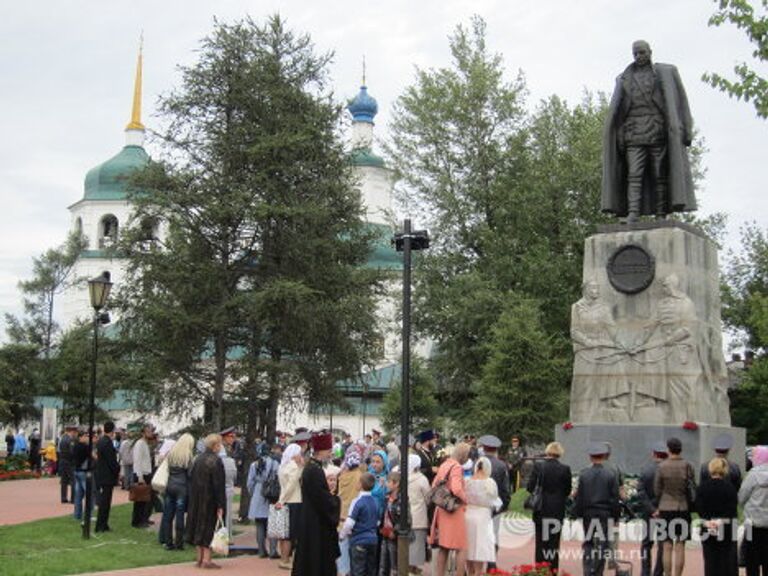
(27, 500)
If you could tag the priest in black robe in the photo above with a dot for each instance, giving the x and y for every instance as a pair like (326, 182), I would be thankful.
(318, 539)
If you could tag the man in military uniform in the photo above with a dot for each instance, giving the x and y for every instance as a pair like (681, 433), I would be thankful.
(597, 504)
(515, 457)
(722, 444)
(500, 473)
(648, 130)
(650, 503)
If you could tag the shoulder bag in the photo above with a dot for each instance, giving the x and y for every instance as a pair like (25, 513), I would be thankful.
(441, 496)
(535, 499)
(160, 478)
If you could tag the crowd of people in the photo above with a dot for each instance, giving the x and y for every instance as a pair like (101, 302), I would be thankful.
(324, 505)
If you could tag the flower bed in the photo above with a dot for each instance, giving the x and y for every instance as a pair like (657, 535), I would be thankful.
(18, 475)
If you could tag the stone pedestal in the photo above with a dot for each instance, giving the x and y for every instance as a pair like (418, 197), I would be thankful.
(648, 351)
(647, 334)
(631, 444)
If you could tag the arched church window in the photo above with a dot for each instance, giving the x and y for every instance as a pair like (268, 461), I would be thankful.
(79, 226)
(108, 229)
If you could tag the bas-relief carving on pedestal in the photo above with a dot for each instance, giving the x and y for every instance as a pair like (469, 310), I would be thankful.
(659, 374)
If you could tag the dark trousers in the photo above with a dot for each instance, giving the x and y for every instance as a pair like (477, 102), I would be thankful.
(547, 539)
(756, 551)
(638, 158)
(647, 552)
(720, 558)
(67, 481)
(104, 502)
(141, 510)
(261, 539)
(597, 545)
(362, 559)
(174, 507)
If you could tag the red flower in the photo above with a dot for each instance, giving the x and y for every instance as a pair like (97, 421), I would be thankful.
(567, 425)
(688, 425)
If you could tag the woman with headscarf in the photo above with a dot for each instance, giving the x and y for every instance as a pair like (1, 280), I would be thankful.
(289, 474)
(348, 487)
(379, 467)
(263, 468)
(449, 531)
(753, 496)
(207, 500)
(179, 461)
(418, 502)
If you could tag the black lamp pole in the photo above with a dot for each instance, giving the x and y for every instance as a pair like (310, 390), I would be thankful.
(98, 289)
(406, 242)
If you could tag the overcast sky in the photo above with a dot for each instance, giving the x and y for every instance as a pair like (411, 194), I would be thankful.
(66, 78)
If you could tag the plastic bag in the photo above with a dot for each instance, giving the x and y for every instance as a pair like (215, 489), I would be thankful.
(220, 542)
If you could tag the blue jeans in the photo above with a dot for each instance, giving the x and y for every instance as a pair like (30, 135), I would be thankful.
(174, 507)
(81, 485)
(363, 559)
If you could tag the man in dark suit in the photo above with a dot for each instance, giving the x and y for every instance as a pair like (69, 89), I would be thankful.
(650, 503)
(555, 481)
(597, 504)
(106, 473)
(500, 474)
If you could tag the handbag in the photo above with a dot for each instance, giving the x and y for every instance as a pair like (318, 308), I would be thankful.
(140, 493)
(270, 488)
(160, 478)
(535, 499)
(278, 523)
(220, 541)
(441, 496)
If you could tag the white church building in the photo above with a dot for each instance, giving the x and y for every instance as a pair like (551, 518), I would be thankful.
(105, 209)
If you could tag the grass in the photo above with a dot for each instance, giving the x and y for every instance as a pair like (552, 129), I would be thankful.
(55, 547)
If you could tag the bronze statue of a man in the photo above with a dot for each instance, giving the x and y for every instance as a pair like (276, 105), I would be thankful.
(648, 130)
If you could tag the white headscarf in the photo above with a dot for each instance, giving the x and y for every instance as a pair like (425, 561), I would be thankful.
(414, 462)
(290, 452)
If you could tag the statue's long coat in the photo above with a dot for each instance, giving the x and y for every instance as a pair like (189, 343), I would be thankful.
(318, 545)
(671, 99)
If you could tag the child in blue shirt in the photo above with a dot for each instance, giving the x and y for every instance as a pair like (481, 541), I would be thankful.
(361, 527)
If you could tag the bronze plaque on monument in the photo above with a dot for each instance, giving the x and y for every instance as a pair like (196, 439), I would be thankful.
(631, 269)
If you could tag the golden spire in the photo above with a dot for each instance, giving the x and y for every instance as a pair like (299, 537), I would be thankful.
(135, 123)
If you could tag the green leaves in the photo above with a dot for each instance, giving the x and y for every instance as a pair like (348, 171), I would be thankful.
(748, 85)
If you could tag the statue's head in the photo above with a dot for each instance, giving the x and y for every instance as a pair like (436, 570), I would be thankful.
(591, 289)
(641, 51)
(670, 285)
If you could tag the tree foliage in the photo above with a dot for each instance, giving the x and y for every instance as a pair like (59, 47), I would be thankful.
(425, 408)
(52, 273)
(749, 84)
(509, 196)
(19, 382)
(745, 311)
(257, 289)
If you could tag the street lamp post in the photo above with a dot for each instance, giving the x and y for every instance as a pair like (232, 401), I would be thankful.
(98, 290)
(405, 242)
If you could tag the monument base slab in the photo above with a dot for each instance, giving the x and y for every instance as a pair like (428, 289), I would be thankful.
(631, 444)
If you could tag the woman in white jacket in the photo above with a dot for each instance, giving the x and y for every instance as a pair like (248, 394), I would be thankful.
(418, 500)
(482, 499)
(753, 496)
(289, 475)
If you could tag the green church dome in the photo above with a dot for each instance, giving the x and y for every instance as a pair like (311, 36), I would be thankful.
(108, 181)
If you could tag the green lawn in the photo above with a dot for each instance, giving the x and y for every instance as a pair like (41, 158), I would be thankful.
(55, 546)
